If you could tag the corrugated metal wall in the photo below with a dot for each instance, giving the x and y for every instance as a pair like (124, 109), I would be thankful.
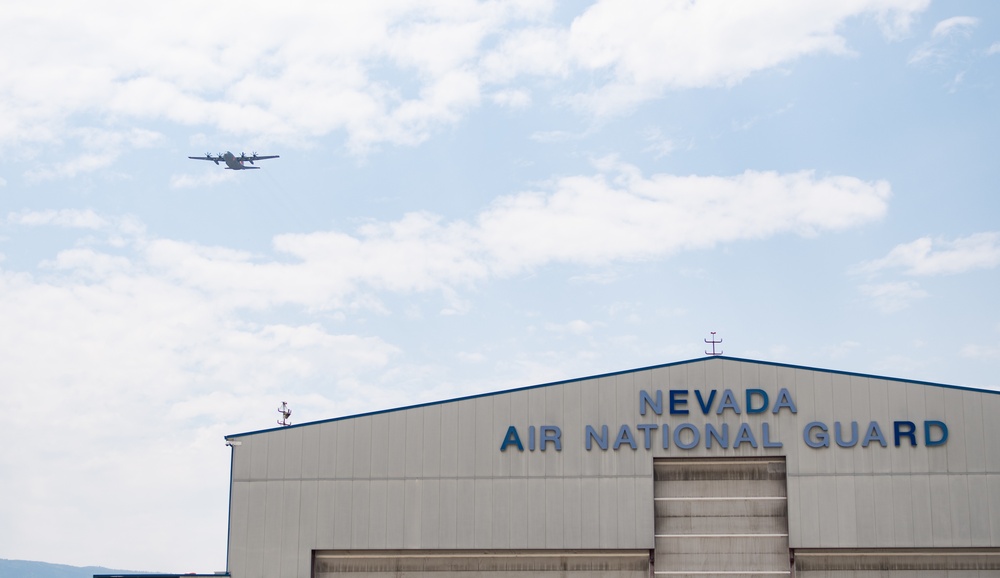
(721, 518)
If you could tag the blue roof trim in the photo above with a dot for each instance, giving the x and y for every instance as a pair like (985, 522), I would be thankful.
(613, 374)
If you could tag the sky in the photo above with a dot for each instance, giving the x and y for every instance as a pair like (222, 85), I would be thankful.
(470, 197)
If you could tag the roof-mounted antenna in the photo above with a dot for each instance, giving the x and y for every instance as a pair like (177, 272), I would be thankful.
(713, 341)
(285, 413)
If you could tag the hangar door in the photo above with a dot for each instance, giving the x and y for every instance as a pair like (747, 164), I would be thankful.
(481, 564)
(721, 518)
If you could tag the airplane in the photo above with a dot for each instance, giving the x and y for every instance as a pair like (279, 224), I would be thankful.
(234, 162)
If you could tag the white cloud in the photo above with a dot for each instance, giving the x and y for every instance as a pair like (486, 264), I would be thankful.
(187, 181)
(381, 72)
(72, 218)
(961, 25)
(926, 256)
(942, 42)
(993, 49)
(893, 297)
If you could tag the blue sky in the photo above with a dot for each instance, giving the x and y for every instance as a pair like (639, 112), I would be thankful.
(470, 197)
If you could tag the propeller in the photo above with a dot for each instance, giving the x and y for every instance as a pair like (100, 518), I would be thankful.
(253, 157)
(211, 158)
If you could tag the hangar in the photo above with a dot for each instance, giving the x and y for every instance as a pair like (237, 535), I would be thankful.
(712, 467)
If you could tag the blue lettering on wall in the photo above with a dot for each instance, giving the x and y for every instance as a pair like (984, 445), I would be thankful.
(751, 393)
(656, 405)
(728, 401)
(676, 401)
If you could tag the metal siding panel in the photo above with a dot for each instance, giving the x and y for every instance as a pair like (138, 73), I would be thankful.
(362, 467)
(343, 506)
(954, 411)
(973, 424)
(411, 513)
(829, 511)
(518, 465)
(864, 510)
(902, 507)
(626, 396)
(536, 417)
(394, 513)
(590, 412)
(500, 516)
(961, 517)
(553, 417)
(554, 513)
(396, 467)
(414, 442)
(536, 513)
(449, 440)
(991, 430)
(242, 456)
(360, 513)
(824, 460)
(941, 512)
(644, 514)
(519, 513)
(308, 518)
(847, 511)
(379, 461)
(291, 504)
(572, 514)
(256, 526)
(608, 414)
(923, 534)
(879, 398)
(430, 514)
(861, 411)
(466, 440)
(378, 517)
(292, 453)
(591, 513)
(937, 458)
(899, 459)
(485, 437)
(916, 406)
(275, 442)
(609, 512)
(572, 431)
(883, 512)
(344, 468)
(258, 457)
(310, 452)
(501, 421)
(801, 458)
(993, 506)
(327, 450)
(979, 511)
(239, 527)
(626, 512)
(273, 529)
(448, 538)
(432, 442)
(327, 514)
(466, 505)
(843, 405)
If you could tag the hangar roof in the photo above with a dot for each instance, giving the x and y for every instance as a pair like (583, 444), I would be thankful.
(706, 359)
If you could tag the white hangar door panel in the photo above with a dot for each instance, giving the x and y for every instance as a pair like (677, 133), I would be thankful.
(481, 564)
(721, 518)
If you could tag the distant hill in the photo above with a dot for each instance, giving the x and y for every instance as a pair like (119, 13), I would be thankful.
(26, 569)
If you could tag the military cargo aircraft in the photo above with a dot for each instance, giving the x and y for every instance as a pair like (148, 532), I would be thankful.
(235, 162)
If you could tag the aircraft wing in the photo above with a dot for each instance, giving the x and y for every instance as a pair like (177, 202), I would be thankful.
(256, 157)
(207, 158)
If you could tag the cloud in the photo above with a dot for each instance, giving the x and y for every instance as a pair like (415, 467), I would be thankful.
(942, 43)
(893, 297)
(186, 181)
(956, 25)
(378, 72)
(926, 256)
(993, 49)
(72, 218)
